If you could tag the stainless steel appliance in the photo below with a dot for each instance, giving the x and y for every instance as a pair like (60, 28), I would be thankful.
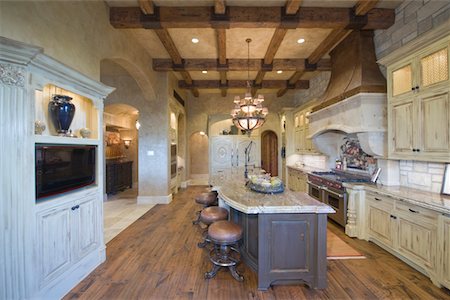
(327, 187)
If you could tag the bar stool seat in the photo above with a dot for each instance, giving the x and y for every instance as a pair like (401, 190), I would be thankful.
(209, 216)
(225, 235)
(205, 199)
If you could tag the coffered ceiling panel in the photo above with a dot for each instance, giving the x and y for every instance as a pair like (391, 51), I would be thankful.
(237, 47)
(150, 41)
(205, 48)
(290, 48)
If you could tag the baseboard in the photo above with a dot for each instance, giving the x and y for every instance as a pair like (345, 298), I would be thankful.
(154, 199)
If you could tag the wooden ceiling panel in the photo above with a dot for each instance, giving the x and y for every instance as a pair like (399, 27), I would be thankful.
(211, 75)
(289, 48)
(275, 76)
(150, 41)
(237, 47)
(205, 48)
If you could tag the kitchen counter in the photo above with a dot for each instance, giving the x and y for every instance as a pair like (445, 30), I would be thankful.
(433, 201)
(284, 235)
(241, 198)
(306, 169)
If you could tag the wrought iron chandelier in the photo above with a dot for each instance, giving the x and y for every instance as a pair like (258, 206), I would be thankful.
(248, 113)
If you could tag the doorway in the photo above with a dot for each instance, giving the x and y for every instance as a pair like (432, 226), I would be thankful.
(269, 152)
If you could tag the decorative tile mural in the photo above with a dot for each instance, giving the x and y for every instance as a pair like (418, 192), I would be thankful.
(356, 158)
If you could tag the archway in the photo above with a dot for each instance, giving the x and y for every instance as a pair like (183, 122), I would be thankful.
(269, 152)
(199, 158)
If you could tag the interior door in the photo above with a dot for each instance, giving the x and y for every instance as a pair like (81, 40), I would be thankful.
(269, 152)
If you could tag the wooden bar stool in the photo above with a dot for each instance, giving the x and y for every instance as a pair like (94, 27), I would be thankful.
(205, 199)
(225, 235)
(208, 216)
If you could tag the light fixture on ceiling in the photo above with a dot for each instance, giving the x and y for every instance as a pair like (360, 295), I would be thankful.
(195, 40)
(248, 113)
(279, 71)
(300, 41)
(205, 72)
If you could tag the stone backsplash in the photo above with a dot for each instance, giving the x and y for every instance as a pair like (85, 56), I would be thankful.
(424, 176)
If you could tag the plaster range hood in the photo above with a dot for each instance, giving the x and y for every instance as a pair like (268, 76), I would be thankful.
(354, 101)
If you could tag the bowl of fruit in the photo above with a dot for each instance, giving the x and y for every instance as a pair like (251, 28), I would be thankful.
(265, 184)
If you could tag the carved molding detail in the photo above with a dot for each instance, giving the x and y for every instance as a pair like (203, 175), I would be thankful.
(12, 75)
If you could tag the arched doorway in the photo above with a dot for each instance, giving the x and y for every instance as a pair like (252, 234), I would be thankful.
(269, 152)
(199, 158)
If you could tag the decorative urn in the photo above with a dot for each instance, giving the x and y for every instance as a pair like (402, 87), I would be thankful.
(61, 112)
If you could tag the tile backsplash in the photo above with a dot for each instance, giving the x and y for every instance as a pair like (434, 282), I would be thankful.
(424, 176)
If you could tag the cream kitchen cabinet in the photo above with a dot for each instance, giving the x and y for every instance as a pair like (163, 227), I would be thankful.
(302, 144)
(66, 234)
(418, 104)
(444, 249)
(380, 221)
(297, 180)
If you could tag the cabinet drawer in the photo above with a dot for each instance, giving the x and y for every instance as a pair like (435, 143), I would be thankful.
(375, 199)
(416, 212)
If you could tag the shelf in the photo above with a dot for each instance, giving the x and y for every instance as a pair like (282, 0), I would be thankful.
(50, 139)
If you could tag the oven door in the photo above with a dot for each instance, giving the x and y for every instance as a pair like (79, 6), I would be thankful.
(315, 191)
(338, 201)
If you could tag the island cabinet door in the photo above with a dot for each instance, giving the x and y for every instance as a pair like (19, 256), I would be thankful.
(292, 248)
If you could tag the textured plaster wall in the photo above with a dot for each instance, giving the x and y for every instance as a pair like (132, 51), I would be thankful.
(78, 34)
(198, 145)
(153, 132)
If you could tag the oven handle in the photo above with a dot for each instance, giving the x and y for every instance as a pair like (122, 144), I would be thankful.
(320, 187)
(333, 193)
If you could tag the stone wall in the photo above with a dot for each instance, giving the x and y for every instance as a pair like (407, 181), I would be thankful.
(422, 175)
(412, 19)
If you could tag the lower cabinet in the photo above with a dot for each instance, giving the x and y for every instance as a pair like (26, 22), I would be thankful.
(412, 233)
(118, 176)
(297, 180)
(66, 234)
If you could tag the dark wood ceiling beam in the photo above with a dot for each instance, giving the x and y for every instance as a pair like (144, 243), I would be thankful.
(266, 84)
(292, 6)
(169, 45)
(248, 17)
(146, 7)
(364, 6)
(201, 64)
(219, 7)
(274, 45)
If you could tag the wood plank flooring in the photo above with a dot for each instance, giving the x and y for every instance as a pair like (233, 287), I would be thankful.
(157, 258)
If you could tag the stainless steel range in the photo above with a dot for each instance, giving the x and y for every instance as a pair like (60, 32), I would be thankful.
(327, 187)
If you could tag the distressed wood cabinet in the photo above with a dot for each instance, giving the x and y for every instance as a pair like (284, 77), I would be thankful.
(444, 249)
(302, 144)
(381, 223)
(297, 180)
(419, 104)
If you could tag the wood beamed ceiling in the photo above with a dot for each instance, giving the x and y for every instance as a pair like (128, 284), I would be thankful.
(334, 23)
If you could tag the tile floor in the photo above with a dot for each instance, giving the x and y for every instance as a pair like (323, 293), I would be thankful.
(120, 211)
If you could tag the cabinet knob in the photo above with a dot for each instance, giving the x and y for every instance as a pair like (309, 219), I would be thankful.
(413, 211)
(393, 217)
(75, 207)
(413, 89)
(378, 199)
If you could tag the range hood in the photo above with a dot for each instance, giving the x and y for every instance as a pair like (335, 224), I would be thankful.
(355, 99)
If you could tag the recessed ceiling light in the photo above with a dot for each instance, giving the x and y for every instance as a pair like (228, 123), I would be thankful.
(300, 41)
(204, 72)
(195, 40)
(279, 71)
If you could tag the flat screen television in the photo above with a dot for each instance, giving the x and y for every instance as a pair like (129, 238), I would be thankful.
(61, 168)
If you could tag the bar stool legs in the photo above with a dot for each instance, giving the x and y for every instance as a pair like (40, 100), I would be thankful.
(224, 256)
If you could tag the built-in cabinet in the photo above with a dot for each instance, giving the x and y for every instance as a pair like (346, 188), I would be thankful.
(303, 144)
(297, 180)
(419, 104)
(51, 243)
(119, 176)
(418, 235)
(228, 155)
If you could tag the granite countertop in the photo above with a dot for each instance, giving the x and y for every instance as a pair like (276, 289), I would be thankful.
(237, 195)
(433, 201)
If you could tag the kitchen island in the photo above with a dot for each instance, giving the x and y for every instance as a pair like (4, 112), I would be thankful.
(284, 238)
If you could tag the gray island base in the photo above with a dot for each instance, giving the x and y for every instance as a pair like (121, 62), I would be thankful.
(285, 235)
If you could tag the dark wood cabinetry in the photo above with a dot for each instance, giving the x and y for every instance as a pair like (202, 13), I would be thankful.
(118, 176)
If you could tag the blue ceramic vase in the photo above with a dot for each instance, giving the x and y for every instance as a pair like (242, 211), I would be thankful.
(61, 111)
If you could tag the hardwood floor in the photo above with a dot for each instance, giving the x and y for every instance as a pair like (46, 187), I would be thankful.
(157, 258)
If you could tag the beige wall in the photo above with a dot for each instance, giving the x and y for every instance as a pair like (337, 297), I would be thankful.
(198, 147)
(79, 35)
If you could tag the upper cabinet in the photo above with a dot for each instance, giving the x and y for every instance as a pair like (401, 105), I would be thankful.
(303, 144)
(419, 104)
